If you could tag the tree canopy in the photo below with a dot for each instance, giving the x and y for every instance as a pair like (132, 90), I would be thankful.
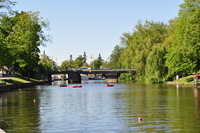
(184, 54)
(21, 36)
(159, 51)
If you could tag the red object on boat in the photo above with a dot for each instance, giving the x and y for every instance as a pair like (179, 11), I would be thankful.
(109, 85)
(76, 86)
(63, 85)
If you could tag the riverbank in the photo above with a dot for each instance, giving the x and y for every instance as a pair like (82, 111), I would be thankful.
(7, 88)
(187, 80)
(15, 81)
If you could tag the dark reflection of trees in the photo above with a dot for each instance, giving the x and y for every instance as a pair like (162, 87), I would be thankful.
(18, 111)
(197, 102)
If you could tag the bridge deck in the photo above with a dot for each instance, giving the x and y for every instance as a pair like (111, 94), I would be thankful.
(94, 71)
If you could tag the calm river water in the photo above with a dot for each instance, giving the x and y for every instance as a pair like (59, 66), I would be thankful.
(95, 108)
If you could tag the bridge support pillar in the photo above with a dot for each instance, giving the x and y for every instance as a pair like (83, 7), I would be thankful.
(49, 78)
(111, 77)
(74, 77)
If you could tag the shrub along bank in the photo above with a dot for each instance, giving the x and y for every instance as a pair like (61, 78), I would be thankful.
(187, 80)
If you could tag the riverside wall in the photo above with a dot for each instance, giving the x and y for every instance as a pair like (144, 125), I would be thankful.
(7, 88)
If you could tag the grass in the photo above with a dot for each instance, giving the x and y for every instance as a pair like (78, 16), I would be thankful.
(18, 79)
(185, 80)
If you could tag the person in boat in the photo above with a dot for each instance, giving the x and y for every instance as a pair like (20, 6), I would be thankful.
(107, 83)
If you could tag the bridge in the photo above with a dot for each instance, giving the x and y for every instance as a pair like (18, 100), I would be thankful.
(75, 77)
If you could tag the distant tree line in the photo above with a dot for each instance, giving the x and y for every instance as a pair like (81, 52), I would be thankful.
(81, 61)
(160, 51)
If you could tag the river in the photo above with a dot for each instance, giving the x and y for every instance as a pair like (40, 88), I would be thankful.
(95, 108)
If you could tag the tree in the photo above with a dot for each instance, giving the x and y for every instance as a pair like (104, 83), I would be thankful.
(100, 59)
(124, 39)
(24, 37)
(156, 71)
(170, 33)
(140, 44)
(78, 62)
(84, 57)
(115, 57)
(184, 54)
(64, 65)
(96, 64)
(45, 63)
(6, 24)
(6, 4)
(3, 52)
(67, 64)
(85, 64)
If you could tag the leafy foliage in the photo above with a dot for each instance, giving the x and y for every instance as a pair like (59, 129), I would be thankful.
(159, 51)
(77, 63)
(156, 72)
(184, 54)
(67, 64)
(140, 45)
(95, 64)
(115, 57)
(21, 36)
(46, 64)
(126, 77)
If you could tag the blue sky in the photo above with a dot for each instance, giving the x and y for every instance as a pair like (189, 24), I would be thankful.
(94, 26)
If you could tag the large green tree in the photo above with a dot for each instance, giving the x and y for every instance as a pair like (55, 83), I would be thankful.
(4, 54)
(23, 35)
(141, 43)
(184, 54)
(156, 71)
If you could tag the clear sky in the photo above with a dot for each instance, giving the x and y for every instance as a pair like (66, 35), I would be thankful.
(94, 26)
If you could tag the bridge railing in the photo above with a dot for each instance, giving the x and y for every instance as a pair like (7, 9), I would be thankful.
(76, 69)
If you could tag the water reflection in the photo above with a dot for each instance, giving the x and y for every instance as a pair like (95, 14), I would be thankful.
(96, 108)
